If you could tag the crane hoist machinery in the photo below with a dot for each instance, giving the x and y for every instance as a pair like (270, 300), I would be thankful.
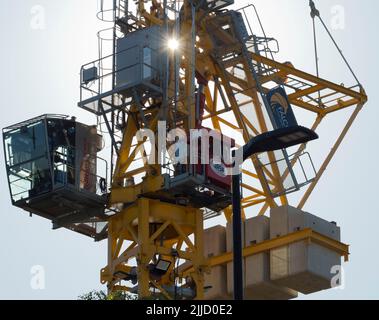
(167, 69)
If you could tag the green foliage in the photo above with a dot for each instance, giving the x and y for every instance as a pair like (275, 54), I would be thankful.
(101, 295)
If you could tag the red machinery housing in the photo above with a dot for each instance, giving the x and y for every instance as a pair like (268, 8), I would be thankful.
(216, 169)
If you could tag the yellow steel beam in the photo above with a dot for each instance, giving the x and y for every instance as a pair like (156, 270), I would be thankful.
(301, 93)
(127, 254)
(342, 105)
(330, 156)
(253, 203)
(306, 234)
(250, 174)
(303, 235)
(163, 291)
(360, 96)
(263, 209)
(131, 194)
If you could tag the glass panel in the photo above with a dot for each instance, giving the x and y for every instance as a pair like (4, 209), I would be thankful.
(147, 63)
(128, 66)
(100, 226)
(27, 161)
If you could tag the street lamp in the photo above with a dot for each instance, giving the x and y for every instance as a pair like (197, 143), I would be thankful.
(270, 141)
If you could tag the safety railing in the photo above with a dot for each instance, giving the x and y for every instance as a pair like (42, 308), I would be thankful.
(23, 187)
(111, 10)
(25, 184)
(216, 5)
(296, 171)
(260, 44)
(91, 176)
(102, 86)
(30, 174)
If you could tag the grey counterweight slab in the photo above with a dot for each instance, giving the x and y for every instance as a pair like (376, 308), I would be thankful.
(302, 266)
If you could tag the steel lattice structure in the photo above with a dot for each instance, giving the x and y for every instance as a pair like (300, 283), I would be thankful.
(173, 65)
(235, 74)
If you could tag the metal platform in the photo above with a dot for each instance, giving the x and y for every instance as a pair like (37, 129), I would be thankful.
(135, 69)
(204, 195)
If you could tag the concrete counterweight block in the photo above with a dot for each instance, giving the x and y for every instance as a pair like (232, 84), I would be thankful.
(215, 245)
(302, 266)
(256, 268)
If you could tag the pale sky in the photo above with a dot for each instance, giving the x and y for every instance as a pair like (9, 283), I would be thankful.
(40, 74)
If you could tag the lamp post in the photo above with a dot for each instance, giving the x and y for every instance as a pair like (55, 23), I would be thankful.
(270, 141)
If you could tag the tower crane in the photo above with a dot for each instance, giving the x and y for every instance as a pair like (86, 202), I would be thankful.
(174, 67)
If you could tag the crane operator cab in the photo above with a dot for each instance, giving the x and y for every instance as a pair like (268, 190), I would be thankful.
(54, 171)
